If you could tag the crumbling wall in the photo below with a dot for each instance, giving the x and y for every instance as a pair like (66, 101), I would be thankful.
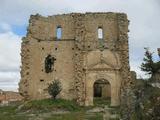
(40, 42)
(86, 40)
(79, 38)
(127, 95)
(25, 69)
(79, 57)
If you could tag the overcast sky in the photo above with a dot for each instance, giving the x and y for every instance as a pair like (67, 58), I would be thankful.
(144, 16)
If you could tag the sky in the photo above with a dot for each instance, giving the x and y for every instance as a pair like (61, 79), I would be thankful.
(144, 16)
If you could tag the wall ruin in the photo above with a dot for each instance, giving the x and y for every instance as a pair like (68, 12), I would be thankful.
(80, 56)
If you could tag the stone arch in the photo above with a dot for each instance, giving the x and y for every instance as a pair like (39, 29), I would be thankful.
(92, 77)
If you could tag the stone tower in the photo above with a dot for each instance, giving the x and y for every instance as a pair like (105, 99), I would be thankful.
(82, 51)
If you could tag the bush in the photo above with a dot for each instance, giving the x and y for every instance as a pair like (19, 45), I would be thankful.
(54, 88)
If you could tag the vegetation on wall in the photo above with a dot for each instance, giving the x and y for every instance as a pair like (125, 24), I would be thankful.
(54, 88)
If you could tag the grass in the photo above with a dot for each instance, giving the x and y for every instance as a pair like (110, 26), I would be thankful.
(73, 116)
(45, 110)
(76, 116)
(9, 113)
(49, 104)
(102, 101)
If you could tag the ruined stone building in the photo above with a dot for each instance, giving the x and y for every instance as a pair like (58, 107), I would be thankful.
(87, 53)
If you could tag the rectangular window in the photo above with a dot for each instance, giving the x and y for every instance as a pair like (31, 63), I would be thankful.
(59, 32)
(100, 33)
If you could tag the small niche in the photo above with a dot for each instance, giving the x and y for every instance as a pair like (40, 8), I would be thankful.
(56, 48)
(41, 80)
(89, 46)
(46, 89)
(72, 48)
(42, 48)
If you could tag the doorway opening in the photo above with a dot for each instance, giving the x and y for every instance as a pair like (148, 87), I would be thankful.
(102, 92)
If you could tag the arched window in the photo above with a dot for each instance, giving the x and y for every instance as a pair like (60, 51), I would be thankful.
(100, 33)
(59, 32)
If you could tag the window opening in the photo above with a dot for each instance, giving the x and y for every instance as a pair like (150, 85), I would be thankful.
(59, 32)
(49, 63)
(100, 33)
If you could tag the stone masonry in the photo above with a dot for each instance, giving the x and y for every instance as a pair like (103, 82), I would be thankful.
(78, 58)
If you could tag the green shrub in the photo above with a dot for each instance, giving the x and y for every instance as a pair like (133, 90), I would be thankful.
(54, 88)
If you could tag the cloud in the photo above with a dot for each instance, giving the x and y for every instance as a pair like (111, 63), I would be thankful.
(4, 27)
(9, 80)
(9, 51)
(9, 76)
(17, 12)
(9, 58)
(144, 27)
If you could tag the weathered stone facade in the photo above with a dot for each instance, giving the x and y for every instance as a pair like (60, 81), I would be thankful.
(80, 57)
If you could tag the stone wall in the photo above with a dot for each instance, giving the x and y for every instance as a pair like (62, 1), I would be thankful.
(79, 55)
(40, 42)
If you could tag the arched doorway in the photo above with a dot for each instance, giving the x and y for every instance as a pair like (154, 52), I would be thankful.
(102, 92)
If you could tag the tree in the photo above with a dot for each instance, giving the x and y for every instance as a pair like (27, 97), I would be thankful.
(147, 97)
(149, 66)
(54, 88)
